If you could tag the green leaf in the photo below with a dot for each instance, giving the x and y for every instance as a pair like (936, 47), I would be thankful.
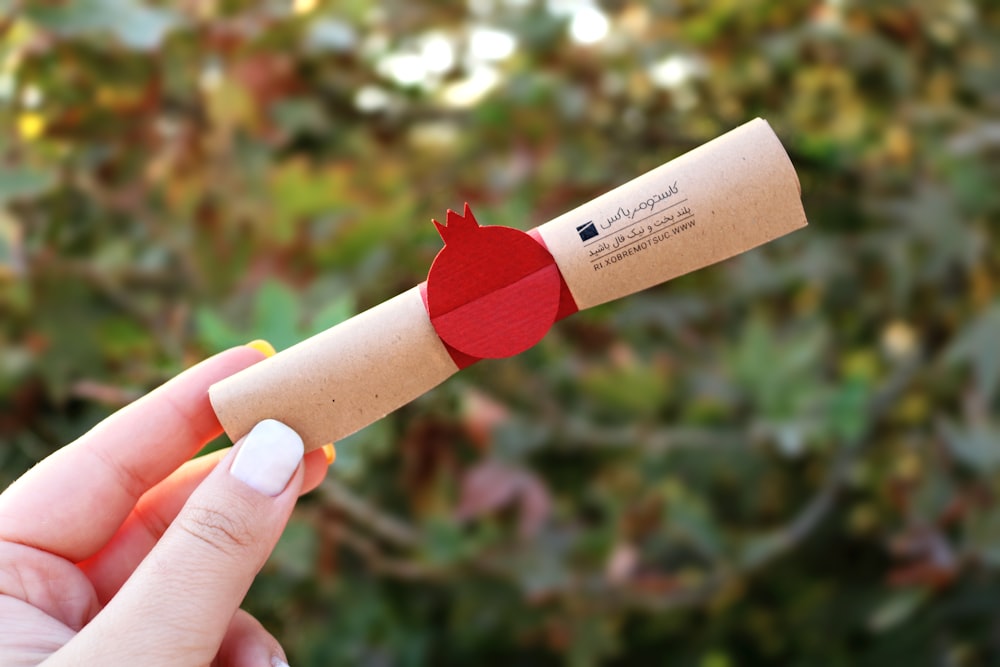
(634, 390)
(276, 318)
(976, 445)
(542, 568)
(781, 375)
(847, 416)
(276, 315)
(331, 35)
(715, 658)
(15, 365)
(689, 518)
(356, 452)
(333, 313)
(896, 609)
(515, 438)
(760, 548)
(134, 24)
(977, 346)
(444, 542)
(300, 116)
(214, 332)
(296, 552)
(981, 535)
(297, 192)
(24, 183)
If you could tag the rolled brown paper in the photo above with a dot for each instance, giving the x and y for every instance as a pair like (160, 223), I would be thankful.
(732, 194)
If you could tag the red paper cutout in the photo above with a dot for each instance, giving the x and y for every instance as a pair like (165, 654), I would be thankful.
(567, 304)
(492, 291)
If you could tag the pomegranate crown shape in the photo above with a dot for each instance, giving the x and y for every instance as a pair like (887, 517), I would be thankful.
(492, 291)
(456, 224)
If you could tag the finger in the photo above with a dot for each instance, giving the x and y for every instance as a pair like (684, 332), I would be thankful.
(29, 634)
(176, 606)
(248, 644)
(42, 582)
(109, 568)
(87, 489)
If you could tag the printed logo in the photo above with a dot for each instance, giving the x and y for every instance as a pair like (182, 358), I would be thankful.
(587, 230)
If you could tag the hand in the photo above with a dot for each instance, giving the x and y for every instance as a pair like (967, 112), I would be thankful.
(120, 550)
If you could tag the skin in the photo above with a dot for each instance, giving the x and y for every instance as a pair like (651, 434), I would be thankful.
(120, 550)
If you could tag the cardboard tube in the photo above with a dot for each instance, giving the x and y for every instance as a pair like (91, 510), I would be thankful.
(736, 192)
(338, 381)
(732, 194)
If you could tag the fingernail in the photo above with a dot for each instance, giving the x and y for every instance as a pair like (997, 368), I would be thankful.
(331, 453)
(278, 662)
(268, 457)
(261, 345)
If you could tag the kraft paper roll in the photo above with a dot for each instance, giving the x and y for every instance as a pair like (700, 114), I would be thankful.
(732, 194)
(338, 381)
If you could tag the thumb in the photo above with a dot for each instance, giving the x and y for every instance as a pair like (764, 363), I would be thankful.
(177, 605)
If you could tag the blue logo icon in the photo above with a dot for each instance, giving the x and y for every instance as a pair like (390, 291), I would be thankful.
(587, 230)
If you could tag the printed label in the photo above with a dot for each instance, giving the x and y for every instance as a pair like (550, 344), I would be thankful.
(632, 230)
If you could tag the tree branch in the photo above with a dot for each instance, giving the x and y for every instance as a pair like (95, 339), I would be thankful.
(392, 530)
(398, 533)
(786, 538)
(369, 551)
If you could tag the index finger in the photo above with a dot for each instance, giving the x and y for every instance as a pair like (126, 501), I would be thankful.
(72, 503)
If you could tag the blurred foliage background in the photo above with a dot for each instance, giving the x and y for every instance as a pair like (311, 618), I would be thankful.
(789, 458)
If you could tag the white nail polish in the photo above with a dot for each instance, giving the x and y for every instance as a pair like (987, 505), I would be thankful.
(268, 457)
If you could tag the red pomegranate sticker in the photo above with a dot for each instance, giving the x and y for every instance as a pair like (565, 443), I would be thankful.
(492, 291)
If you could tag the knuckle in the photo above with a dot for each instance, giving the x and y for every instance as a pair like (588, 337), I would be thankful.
(219, 530)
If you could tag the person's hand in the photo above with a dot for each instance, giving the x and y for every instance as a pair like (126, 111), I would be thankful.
(119, 550)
